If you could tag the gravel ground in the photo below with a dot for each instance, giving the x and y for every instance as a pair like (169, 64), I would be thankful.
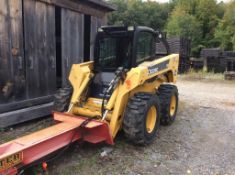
(201, 141)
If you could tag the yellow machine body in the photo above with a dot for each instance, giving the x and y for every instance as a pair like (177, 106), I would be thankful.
(146, 77)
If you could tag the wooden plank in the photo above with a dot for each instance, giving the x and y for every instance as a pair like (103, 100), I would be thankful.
(7, 107)
(64, 46)
(6, 82)
(41, 27)
(12, 80)
(31, 46)
(72, 41)
(45, 18)
(26, 114)
(51, 49)
(40, 48)
(17, 52)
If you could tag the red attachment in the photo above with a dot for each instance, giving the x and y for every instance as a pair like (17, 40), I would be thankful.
(39, 144)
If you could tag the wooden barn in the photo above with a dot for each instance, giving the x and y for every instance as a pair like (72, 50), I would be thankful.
(39, 41)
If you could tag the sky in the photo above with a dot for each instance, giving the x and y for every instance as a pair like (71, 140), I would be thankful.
(168, 0)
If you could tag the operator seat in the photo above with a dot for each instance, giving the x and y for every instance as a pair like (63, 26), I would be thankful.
(100, 84)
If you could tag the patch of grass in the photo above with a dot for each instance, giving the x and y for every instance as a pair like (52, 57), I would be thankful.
(6, 138)
(202, 74)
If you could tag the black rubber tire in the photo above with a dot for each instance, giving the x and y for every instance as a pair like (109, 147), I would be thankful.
(62, 99)
(165, 92)
(134, 122)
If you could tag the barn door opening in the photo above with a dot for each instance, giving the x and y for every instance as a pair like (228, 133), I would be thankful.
(87, 37)
(58, 47)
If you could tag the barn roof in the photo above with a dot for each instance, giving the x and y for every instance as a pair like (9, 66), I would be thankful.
(101, 4)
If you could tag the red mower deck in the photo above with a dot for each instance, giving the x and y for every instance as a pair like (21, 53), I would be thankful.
(23, 151)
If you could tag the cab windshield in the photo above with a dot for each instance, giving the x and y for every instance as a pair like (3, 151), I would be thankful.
(113, 52)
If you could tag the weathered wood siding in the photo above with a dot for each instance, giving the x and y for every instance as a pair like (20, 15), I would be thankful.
(39, 31)
(12, 70)
(72, 41)
(29, 57)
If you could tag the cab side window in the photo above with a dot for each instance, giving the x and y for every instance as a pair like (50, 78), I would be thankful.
(145, 46)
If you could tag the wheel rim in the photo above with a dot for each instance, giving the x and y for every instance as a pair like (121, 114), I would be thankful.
(173, 105)
(151, 119)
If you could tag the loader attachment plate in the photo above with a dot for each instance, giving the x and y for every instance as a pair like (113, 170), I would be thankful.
(18, 153)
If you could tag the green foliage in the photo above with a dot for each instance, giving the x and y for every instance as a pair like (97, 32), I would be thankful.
(196, 19)
(206, 22)
(201, 74)
(225, 32)
(184, 24)
(136, 12)
(206, 13)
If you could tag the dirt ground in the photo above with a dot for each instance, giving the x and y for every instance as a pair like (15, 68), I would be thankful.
(200, 141)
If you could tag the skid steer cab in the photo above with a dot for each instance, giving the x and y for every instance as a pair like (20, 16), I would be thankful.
(127, 87)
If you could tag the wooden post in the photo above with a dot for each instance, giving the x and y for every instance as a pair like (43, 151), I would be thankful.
(205, 64)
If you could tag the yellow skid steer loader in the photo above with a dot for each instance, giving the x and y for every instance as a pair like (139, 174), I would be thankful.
(127, 87)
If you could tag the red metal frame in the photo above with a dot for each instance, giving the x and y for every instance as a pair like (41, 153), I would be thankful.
(44, 142)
